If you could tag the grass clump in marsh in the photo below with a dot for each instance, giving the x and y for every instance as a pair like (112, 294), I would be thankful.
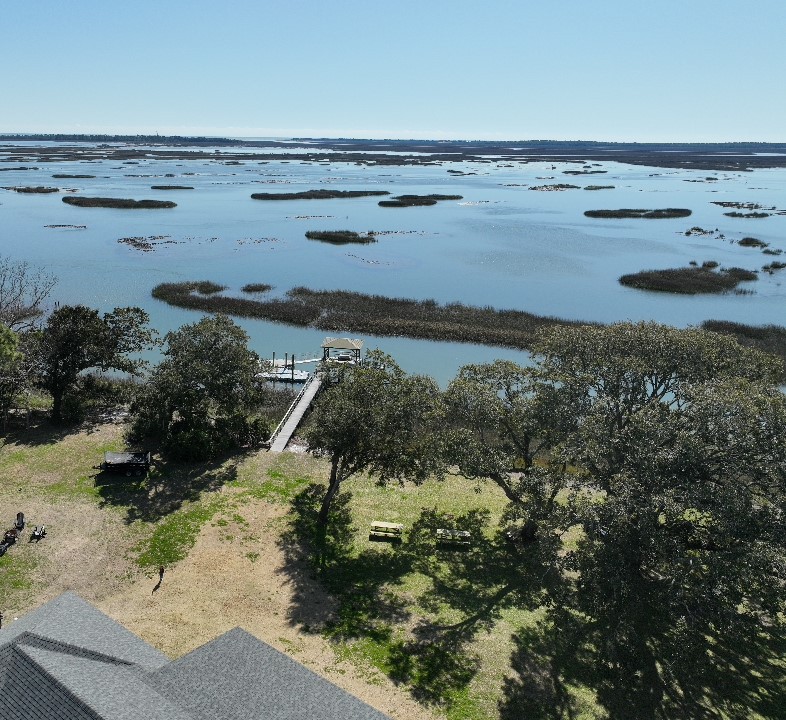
(628, 213)
(690, 280)
(599, 187)
(256, 288)
(119, 203)
(557, 187)
(171, 187)
(68, 176)
(341, 237)
(417, 200)
(737, 214)
(341, 310)
(318, 194)
(752, 242)
(773, 266)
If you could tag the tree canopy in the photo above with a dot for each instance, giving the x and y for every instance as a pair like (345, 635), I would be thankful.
(663, 453)
(76, 338)
(198, 399)
(377, 419)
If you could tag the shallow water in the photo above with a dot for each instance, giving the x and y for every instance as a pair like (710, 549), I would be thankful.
(502, 245)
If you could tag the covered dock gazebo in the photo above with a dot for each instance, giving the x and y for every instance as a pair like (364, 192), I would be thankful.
(341, 345)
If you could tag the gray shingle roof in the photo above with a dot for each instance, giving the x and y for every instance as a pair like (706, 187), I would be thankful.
(237, 677)
(70, 621)
(68, 661)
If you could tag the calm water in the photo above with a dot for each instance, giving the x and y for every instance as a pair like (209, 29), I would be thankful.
(502, 245)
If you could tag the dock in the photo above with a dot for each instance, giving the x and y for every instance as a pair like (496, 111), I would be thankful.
(288, 425)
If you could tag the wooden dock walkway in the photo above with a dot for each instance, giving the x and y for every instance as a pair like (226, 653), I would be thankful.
(288, 425)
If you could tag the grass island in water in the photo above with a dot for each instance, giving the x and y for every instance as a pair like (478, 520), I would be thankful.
(318, 194)
(625, 213)
(341, 237)
(120, 203)
(690, 280)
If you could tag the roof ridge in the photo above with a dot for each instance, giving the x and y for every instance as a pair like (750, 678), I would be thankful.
(45, 643)
(81, 704)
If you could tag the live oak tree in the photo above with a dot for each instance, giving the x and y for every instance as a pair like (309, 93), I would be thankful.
(672, 475)
(503, 418)
(76, 338)
(198, 400)
(377, 419)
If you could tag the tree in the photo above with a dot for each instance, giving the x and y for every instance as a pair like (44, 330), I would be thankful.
(23, 290)
(673, 473)
(76, 338)
(198, 399)
(503, 418)
(379, 420)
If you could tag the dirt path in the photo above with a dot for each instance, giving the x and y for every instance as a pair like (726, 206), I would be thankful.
(235, 575)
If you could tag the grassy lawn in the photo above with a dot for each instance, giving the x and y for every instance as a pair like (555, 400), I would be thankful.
(464, 630)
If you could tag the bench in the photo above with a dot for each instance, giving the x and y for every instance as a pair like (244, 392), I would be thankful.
(453, 537)
(385, 531)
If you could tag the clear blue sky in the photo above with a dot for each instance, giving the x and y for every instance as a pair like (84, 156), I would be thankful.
(702, 70)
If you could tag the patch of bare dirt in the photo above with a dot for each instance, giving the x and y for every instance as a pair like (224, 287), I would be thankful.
(236, 575)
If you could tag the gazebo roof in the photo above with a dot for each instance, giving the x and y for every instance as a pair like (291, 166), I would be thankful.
(342, 343)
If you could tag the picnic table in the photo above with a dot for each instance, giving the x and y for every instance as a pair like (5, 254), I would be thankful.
(385, 530)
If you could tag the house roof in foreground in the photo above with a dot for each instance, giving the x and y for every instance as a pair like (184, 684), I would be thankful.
(68, 661)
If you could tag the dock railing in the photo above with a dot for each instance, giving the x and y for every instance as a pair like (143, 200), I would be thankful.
(291, 409)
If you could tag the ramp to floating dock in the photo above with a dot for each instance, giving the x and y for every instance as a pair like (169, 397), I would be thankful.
(288, 425)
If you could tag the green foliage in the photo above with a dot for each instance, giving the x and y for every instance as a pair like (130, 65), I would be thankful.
(198, 400)
(76, 338)
(377, 419)
(176, 535)
(678, 460)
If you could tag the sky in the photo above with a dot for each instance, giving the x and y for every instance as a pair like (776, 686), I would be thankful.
(612, 70)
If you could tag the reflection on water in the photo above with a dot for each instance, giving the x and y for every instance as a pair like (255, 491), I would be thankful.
(503, 245)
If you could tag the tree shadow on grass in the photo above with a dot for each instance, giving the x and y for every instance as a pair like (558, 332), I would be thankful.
(653, 676)
(357, 581)
(477, 583)
(165, 488)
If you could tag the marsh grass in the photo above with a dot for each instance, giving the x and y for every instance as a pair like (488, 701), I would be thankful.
(256, 288)
(627, 213)
(690, 280)
(752, 242)
(340, 310)
(319, 194)
(39, 190)
(341, 237)
(417, 200)
(119, 203)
